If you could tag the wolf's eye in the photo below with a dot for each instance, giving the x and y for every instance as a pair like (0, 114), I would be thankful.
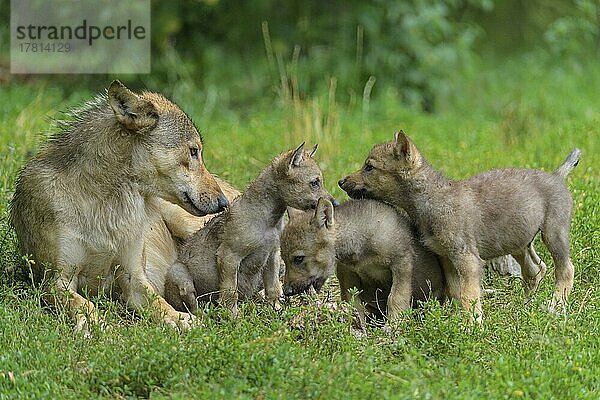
(298, 260)
(315, 183)
(194, 153)
(368, 167)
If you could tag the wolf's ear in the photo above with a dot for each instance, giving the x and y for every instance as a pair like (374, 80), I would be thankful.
(323, 217)
(297, 156)
(130, 110)
(312, 151)
(294, 213)
(404, 148)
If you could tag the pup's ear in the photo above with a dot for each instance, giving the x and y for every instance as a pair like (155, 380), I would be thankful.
(297, 156)
(312, 151)
(294, 213)
(404, 148)
(323, 217)
(130, 110)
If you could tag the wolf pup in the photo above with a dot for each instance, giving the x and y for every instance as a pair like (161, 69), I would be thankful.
(370, 246)
(169, 226)
(492, 214)
(79, 205)
(237, 252)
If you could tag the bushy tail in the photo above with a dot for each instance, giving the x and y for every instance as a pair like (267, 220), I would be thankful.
(570, 163)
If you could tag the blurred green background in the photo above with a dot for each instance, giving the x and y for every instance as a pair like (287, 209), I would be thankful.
(238, 53)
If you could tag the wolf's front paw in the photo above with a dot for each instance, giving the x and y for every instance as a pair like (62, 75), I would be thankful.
(84, 322)
(181, 321)
(276, 304)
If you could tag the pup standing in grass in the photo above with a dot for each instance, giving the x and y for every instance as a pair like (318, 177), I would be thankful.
(492, 214)
(237, 252)
(79, 206)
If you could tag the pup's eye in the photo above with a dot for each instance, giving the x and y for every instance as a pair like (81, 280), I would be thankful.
(194, 153)
(368, 167)
(315, 183)
(298, 260)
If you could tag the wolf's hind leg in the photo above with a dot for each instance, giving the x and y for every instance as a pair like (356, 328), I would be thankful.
(556, 238)
(81, 310)
(533, 270)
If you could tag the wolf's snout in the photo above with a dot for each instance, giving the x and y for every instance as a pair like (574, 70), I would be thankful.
(345, 184)
(333, 201)
(288, 291)
(222, 202)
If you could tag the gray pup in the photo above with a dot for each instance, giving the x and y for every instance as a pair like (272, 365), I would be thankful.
(79, 207)
(495, 213)
(371, 247)
(237, 253)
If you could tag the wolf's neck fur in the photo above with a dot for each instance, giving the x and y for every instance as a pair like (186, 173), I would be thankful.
(423, 190)
(92, 150)
(262, 200)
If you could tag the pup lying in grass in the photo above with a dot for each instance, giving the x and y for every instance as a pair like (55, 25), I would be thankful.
(79, 207)
(492, 214)
(370, 246)
(237, 253)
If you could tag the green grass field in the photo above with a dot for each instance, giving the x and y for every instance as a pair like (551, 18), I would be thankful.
(516, 114)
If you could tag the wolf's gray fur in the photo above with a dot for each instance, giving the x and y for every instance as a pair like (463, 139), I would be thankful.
(236, 253)
(370, 246)
(492, 214)
(79, 205)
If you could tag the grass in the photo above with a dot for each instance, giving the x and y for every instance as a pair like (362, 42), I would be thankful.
(499, 117)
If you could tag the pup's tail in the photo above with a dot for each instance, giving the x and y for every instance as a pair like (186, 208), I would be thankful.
(570, 163)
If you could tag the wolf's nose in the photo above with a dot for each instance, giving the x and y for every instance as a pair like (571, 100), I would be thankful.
(288, 291)
(222, 202)
(334, 202)
(341, 182)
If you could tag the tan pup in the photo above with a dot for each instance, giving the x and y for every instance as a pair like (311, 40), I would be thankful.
(237, 252)
(492, 214)
(370, 246)
(79, 206)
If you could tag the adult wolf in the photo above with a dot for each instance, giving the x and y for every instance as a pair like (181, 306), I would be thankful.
(79, 204)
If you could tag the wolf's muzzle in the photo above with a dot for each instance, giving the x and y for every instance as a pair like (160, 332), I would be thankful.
(222, 202)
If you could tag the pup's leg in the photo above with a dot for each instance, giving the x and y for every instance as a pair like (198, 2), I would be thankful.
(271, 283)
(138, 293)
(556, 238)
(179, 288)
(540, 267)
(348, 280)
(228, 263)
(468, 267)
(533, 270)
(401, 290)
